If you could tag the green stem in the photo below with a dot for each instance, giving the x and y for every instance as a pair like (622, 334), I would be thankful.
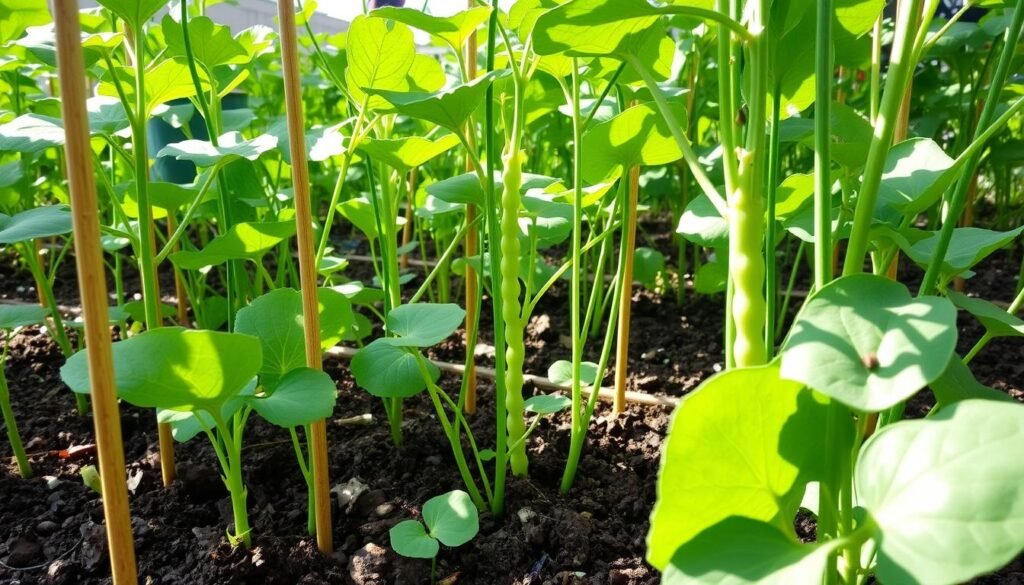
(13, 437)
(770, 262)
(822, 140)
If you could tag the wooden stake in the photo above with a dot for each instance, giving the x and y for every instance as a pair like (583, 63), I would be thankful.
(626, 298)
(307, 266)
(471, 247)
(93, 288)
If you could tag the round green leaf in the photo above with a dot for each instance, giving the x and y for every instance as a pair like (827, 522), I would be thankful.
(388, 370)
(175, 369)
(743, 444)
(12, 316)
(424, 324)
(410, 539)
(39, 222)
(946, 493)
(866, 342)
(303, 396)
(547, 403)
(452, 518)
(738, 551)
(560, 372)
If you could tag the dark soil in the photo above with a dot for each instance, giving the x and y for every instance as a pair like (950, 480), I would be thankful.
(52, 524)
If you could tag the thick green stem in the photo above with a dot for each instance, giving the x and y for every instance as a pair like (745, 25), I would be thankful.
(515, 351)
(770, 262)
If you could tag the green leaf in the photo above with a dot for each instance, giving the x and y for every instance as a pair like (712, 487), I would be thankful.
(743, 444)
(739, 551)
(17, 15)
(244, 241)
(462, 189)
(31, 134)
(637, 136)
(175, 369)
(945, 493)
(211, 43)
(380, 54)
(424, 324)
(454, 29)
(387, 370)
(186, 425)
(584, 28)
(915, 176)
(303, 396)
(12, 316)
(957, 383)
(134, 12)
(543, 404)
(232, 146)
(560, 372)
(38, 222)
(410, 539)
(403, 154)
(793, 195)
(452, 518)
(997, 322)
(866, 342)
(702, 224)
(647, 265)
(449, 107)
(106, 115)
(967, 247)
(276, 318)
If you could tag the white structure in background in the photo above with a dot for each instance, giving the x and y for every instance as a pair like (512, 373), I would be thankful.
(246, 13)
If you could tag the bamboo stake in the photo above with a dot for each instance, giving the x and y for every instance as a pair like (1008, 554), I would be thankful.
(471, 248)
(307, 267)
(626, 299)
(93, 289)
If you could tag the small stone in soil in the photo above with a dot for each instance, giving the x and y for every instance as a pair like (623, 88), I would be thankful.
(368, 566)
(24, 552)
(46, 527)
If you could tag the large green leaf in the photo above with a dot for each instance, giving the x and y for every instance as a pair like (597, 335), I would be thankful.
(231, 146)
(866, 342)
(967, 247)
(637, 136)
(410, 539)
(702, 224)
(303, 396)
(12, 316)
(244, 241)
(452, 518)
(106, 115)
(17, 15)
(946, 493)
(914, 177)
(464, 189)
(740, 551)
(276, 319)
(424, 324)
(175, 369)
(743, 444)
(135, 12)
(359, 211)
(408, 152)
(454, 29)
(390, 371)
(211, 43)
(585, 28)
(450, 107)
(38, 222)
(31, 134)
(380, 54)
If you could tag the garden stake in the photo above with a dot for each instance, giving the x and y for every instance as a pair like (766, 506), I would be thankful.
(307, 267)
(93, 290)
(626, 299)
(471, 248)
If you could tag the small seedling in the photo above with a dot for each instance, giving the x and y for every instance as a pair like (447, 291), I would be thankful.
(451, 519)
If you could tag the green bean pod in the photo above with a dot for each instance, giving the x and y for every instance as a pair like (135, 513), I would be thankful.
(746, 267)
(511, 311)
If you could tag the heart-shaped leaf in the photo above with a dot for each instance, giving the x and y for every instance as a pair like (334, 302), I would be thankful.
(866, 342)
(380, 54)
(175, 369)
(302, 396)
(451, 518)
(449, 107)
(560, 372)
(945, 493)
(637, 136)
(211, 44)
(915, 176)
(387, 370)
(408, 152)
(410, 539)
(424, 324)
(547, 403)
(39, 222)
(743, 444)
